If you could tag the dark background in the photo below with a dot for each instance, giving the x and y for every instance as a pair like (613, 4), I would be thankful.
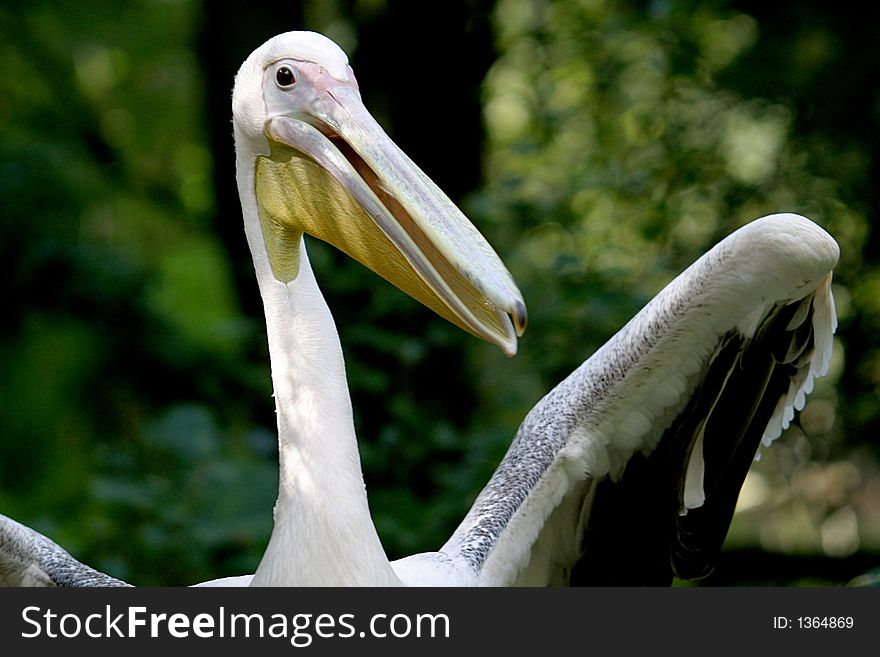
(599, 146)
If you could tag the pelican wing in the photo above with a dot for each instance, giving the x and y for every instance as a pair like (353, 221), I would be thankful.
(629, 470)
(27, 558)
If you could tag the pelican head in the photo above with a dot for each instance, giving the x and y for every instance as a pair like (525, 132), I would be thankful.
(319, 163)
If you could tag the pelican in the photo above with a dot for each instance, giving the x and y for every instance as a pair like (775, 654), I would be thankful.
(627, 472)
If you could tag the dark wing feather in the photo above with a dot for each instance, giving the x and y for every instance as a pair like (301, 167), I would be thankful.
(637, 534)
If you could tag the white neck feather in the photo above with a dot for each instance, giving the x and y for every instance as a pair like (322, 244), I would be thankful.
(323, 532)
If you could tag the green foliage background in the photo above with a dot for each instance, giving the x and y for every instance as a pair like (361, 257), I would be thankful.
(601, 146)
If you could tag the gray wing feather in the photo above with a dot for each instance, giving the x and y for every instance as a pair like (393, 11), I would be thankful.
(759, 303)
(27, 558)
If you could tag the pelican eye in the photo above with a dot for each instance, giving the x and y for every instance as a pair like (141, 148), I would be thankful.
(284, 76)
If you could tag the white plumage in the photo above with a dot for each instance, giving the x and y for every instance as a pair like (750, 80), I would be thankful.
(627, 472)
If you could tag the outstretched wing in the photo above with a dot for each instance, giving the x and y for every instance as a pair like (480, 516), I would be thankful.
(27, 558)
(629, 470)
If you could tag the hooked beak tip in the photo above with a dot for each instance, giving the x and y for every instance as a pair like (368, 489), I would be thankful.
(520, 317)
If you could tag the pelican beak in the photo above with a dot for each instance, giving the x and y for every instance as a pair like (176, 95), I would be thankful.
(333, 173)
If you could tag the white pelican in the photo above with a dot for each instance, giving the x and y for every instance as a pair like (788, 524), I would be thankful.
(627, 472)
